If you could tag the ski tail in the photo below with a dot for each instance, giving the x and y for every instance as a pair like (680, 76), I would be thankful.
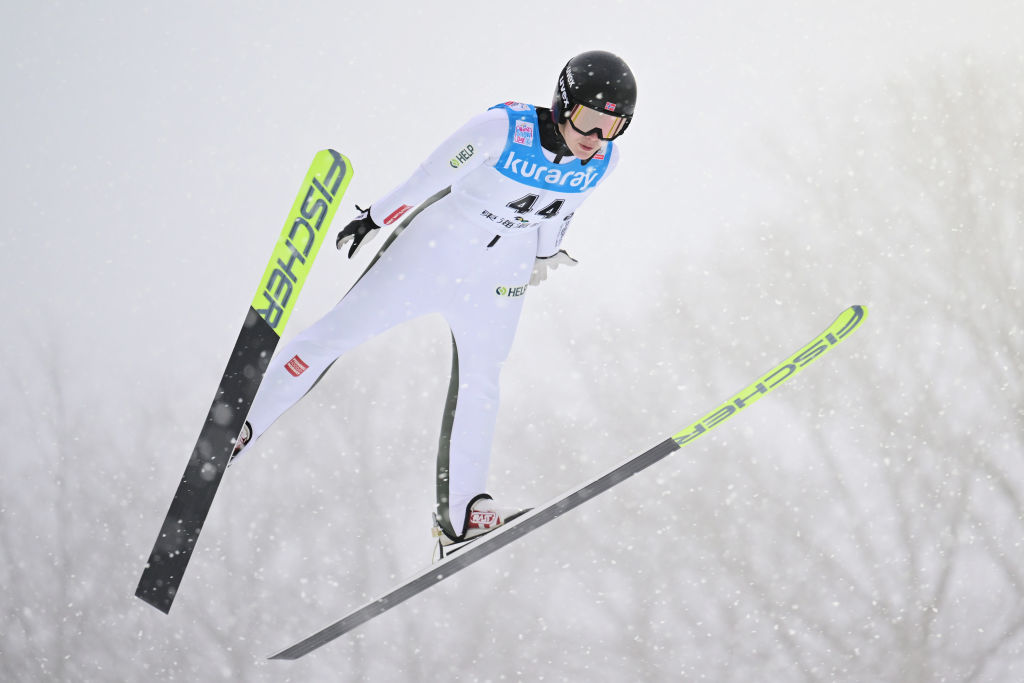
(300, 239)
(848, 321)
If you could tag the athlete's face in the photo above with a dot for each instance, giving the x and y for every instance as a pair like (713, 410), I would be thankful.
(581, 146)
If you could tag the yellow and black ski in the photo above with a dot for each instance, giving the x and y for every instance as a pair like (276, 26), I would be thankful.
(478, 549)
(290, 263)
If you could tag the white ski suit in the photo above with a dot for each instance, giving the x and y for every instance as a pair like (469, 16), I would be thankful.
(490, 201)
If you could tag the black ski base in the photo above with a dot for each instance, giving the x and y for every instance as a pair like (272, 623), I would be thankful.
(194, 496)
(848, 321)
(476, 550)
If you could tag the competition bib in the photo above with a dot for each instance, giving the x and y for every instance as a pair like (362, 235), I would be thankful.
(524, 189)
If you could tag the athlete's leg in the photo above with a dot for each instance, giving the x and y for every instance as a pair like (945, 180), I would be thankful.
(395, 289)
(483, 319)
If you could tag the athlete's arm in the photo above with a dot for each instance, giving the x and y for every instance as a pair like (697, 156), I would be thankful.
(479, 140)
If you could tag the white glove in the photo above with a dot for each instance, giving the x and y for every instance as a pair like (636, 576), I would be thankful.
(541, 265)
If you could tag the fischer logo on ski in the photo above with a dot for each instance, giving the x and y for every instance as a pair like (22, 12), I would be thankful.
(297, 246)
(843, 326)
(293, 257)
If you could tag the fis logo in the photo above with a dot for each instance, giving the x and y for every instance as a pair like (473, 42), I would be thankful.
(511, 291)
(523, 133)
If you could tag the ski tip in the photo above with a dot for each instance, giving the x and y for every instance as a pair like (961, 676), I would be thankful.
(292, 653)
(852, 317)
(339, 157)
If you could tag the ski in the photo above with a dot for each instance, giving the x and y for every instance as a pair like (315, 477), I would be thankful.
(476, 550)
(290, 263)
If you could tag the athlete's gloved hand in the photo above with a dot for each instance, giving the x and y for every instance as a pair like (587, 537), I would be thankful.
(541, 265)
(361, 229)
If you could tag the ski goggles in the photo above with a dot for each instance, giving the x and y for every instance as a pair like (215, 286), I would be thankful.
(585, 121)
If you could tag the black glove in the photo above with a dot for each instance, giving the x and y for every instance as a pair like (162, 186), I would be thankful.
(362, 228)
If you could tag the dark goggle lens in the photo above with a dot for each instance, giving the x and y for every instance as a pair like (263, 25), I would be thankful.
(585, 121)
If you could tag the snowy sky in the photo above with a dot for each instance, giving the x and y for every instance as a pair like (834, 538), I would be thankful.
(151, 152)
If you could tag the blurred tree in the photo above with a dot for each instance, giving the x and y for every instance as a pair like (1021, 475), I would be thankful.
(863, 524)
(866, 523)
(885, 544)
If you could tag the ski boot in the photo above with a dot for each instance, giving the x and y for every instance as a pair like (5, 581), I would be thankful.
(243, 438)
(482, 517)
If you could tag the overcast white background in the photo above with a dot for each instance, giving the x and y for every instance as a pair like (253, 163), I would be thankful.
(150, 154)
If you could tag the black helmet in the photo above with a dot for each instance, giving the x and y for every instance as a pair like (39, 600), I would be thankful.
(599, 81)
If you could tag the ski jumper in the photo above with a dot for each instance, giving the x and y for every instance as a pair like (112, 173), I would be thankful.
(472, 220)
